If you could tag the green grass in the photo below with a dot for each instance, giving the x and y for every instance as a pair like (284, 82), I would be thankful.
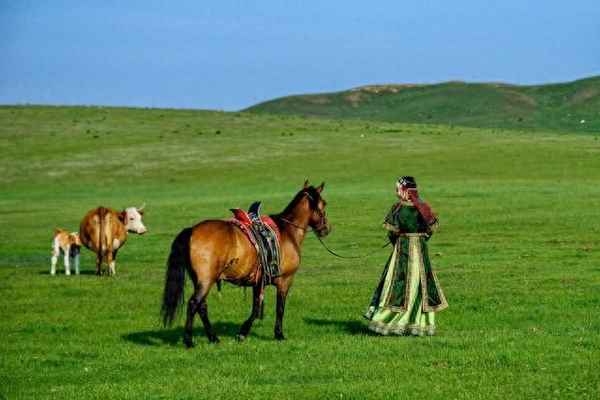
(491, 105)
(517, 255)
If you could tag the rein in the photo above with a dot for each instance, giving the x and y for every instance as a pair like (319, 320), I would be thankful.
(323, 223)
(325, 246)
(350, 257)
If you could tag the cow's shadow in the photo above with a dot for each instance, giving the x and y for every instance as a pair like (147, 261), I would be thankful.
(174, 337)
(62, 272)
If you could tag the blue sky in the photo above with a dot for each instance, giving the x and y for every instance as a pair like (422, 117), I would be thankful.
(232, 54)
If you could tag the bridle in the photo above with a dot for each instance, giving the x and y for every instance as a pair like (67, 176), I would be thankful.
(322, 225)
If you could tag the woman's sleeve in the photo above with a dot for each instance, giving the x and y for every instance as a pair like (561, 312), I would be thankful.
(390, 223)
(430, 229)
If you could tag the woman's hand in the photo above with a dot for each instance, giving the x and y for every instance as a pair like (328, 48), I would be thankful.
(391, 228)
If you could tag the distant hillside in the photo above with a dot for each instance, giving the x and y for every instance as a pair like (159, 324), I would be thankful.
(573, 106)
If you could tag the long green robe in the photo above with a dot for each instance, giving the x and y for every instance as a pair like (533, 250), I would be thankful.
(408, 294)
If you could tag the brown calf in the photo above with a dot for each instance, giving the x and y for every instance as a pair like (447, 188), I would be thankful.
(104, 231)
(69, 245)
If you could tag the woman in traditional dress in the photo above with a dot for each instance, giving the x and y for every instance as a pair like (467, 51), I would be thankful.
(408, 294)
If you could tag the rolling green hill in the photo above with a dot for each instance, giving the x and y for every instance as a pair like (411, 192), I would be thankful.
(517, 254)
(573, 106)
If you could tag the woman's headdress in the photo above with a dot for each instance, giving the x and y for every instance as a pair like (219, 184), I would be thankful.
(409, 183)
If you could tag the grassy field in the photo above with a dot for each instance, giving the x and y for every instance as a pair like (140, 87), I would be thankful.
(572, 106)
(517, 255)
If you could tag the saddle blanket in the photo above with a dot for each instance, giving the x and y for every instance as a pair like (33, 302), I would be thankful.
(263, 233)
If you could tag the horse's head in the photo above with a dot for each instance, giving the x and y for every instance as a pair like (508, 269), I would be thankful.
(318, 218)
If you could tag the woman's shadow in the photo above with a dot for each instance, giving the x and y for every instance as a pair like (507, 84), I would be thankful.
(352, 327)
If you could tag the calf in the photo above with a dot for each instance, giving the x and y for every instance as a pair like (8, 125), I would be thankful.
(69, 245)
(104, 231)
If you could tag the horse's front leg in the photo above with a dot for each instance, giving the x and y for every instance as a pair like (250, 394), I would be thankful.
(256, 305)
(283, 286)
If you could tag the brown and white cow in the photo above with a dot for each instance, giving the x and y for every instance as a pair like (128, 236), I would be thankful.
(104, 231)
(69, 245)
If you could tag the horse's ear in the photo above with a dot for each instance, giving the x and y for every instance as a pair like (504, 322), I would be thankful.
(306, 184)
(321, 187)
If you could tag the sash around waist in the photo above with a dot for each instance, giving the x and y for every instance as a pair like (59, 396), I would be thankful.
(416, 234)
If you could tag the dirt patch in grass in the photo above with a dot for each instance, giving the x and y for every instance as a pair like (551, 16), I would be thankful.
(583, 95)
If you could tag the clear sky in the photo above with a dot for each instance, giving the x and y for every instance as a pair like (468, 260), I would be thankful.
(232, 54)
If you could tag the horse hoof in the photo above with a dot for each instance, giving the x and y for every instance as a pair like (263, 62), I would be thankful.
(279, 336)
(241, 338)
(189, 343)
(214, 340)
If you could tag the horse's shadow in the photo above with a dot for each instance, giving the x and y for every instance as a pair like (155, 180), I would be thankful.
(160, 337)
(174, 337)
(352, 327)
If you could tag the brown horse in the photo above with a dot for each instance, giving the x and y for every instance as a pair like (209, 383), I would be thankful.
(215, 250)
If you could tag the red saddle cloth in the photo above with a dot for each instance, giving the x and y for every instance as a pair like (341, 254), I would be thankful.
(243, 221)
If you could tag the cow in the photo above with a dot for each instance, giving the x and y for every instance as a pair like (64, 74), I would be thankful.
(69, 245)
(104, 231)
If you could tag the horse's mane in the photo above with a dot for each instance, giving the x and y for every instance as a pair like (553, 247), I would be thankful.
(313, 200)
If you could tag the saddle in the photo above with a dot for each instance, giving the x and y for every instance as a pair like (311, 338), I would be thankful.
(263, 233)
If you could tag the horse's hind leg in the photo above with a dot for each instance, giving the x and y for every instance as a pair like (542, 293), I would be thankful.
(192, 308)
(256, 307)
(197, 304)
(203, 311)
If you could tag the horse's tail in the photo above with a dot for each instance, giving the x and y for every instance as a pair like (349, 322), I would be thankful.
(178, 262)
